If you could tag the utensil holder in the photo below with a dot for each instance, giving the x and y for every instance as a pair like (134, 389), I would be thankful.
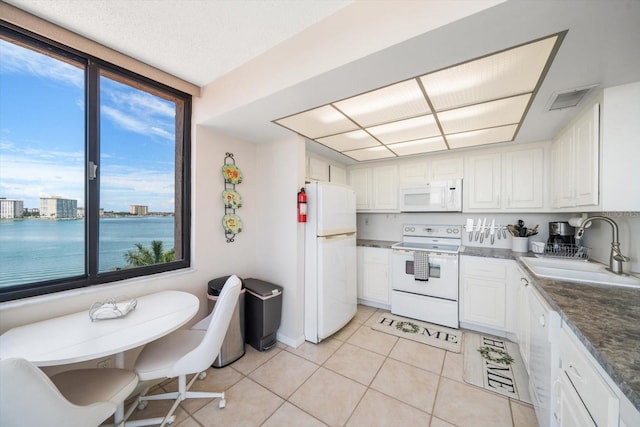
(520, 244)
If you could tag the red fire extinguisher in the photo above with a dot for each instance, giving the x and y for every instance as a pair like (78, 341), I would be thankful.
(302, 206)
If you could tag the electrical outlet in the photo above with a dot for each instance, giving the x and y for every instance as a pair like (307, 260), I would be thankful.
(106, 363)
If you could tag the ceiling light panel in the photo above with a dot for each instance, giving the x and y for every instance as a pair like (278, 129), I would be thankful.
(374, 153)
(489, 114)
(396, 102)
(349, 141)
(511, 72)
(481, 137)
(406, 130)
(319, 122)
(419, 146)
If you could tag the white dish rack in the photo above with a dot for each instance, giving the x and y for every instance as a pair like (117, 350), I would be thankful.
(566, 251)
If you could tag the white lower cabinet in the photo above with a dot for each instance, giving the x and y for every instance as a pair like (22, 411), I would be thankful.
(583, 397)
(483, 293)
(374, 275)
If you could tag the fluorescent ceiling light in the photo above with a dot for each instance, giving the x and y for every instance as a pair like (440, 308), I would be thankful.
(374, 153)
(482, 101)
(419, 146)
(399, 101)
(482, 137)
(349, 141)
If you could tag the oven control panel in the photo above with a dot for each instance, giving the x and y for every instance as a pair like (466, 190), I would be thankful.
(429, 230)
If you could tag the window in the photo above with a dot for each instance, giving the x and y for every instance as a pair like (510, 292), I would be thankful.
(94, 170)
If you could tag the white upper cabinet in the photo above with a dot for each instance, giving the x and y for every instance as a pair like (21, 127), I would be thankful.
(511, 180)
(337, 174)
(425, 170)
(317, 169)
(376, 188)
(482, 183)
(575, 162)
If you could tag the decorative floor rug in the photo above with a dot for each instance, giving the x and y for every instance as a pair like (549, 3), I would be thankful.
(425, 333)
(494, 364)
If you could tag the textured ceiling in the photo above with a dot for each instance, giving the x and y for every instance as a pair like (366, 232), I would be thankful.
(196, 40)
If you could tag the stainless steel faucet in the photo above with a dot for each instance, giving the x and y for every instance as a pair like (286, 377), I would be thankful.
(616, 258)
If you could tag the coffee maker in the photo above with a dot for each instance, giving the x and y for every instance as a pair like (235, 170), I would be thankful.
(560, 234)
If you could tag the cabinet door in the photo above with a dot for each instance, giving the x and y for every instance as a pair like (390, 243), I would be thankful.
(570, 411)
(360, 181)
(565, 174)
(586, 131)
(484, 301)
(318, 170)
(413, 172)
(385, 188)
(445, 169)
(523, 179)
(375, 286)
(482, 182)
(337, 174)
(524, 322)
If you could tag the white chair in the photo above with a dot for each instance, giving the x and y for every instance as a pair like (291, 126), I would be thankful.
(185, 352)
(79, 398)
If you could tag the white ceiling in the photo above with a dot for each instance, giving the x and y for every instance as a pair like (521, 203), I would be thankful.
(263, 60)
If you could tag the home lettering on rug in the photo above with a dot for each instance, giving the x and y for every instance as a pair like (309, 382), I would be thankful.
(441, 335)
(499, 376)
(445, 336)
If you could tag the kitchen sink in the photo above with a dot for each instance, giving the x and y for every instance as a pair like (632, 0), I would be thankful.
(570, 270)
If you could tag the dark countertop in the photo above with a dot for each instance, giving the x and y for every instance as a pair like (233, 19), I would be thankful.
(384, 244)
(606, 319)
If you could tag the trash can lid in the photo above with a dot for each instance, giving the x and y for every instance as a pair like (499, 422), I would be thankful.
(262, 288)
(215, 286)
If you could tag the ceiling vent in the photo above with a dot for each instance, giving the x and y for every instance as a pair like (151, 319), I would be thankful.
(569, 98)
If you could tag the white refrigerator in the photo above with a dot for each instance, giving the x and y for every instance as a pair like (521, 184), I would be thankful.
(330, 297)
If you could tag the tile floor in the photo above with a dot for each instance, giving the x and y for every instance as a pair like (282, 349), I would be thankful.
(359, 377)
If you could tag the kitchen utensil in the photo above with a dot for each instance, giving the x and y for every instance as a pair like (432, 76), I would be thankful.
(469, 227)
(513, 231)
(504, 232)
(484, 224)
(492, 230)
(478, 229)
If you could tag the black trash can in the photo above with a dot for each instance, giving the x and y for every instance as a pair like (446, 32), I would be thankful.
(263, 312)
(233, 347)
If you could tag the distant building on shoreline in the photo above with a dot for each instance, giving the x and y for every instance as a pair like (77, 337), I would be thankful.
(140, 210)
(56, 207)
(10, 208)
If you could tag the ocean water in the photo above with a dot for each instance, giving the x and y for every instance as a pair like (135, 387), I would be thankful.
(32, 250)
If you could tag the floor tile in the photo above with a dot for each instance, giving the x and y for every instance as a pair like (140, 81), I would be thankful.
(328, 396)
(364, 313)
(523, 415)
(408, 384)
(348, 330)
(316, 353)
(189, 422)
(159, 408)
(253, 358)
(468, 406)
(248, 404)
(437, 422)
(283, 373)
(378, 342)
(288, 415)
(453, 366)
(419, 355)
(377, 409)
(356, 363)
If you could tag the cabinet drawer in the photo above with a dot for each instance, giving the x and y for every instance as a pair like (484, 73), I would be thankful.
(483, 267)
(600, 400)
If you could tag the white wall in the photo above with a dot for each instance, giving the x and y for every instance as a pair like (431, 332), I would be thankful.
(279, 250)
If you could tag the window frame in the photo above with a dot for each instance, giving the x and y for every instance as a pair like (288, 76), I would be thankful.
(182, 214)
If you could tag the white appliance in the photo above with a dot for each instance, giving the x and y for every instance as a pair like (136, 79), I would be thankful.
(434, 196)
(425, 273)
(330, 297)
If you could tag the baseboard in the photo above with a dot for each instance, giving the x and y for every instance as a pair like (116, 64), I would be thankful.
(295, 343)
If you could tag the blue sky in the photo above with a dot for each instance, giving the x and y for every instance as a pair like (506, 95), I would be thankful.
(42, 136)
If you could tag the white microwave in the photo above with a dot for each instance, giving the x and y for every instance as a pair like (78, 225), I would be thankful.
(434, 196)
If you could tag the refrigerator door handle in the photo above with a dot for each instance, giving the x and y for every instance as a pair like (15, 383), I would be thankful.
(338, 236)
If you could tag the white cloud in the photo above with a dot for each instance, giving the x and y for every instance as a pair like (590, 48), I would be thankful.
(16, 59)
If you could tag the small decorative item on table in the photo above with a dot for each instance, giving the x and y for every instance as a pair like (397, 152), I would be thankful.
(112, 308)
